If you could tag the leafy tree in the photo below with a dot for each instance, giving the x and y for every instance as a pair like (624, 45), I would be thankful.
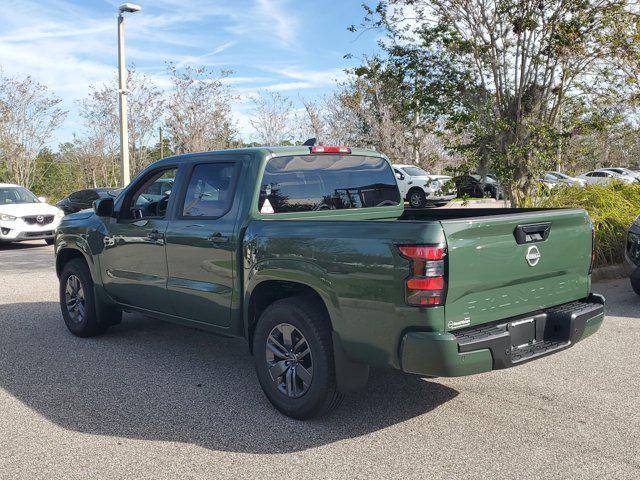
(501, 71)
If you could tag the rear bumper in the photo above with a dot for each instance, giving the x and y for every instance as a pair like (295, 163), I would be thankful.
(490, 346)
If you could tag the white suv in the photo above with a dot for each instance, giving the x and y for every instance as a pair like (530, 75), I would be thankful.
(420, 188)
(23, 216)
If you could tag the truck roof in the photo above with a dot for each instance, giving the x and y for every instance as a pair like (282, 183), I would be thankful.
(264, 152)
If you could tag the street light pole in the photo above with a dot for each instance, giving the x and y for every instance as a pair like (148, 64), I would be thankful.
(125, 175)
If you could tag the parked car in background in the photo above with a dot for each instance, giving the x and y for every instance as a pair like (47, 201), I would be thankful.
(632, 255)
(422, 189)
(553, 179)
(603, 177)
(308, 253)
(477, 187)
(23, 216)
(625, 172)
(157, 190)
(84, 199)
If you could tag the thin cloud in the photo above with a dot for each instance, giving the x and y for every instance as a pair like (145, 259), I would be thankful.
(204, 59)
(277, 15)
(69, 46)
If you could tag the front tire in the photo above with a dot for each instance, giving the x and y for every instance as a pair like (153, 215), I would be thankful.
(635, 284)
(77, 300)
(417, 198)
(293, 355)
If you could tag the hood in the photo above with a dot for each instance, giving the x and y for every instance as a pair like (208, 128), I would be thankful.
(81, 215)
(27, 209)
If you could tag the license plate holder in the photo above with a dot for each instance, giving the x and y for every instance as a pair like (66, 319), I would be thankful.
(522, 332)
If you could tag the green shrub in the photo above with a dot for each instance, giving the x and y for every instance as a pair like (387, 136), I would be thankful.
(612, 209)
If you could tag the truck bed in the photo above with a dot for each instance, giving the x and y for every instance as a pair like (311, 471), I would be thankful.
(425, 214)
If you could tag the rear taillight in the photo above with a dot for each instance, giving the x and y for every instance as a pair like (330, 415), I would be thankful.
(593, 250)
(426, 285)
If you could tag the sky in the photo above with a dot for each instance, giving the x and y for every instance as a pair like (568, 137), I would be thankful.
(295, 47)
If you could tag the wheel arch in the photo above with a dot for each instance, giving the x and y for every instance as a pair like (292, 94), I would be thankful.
(269, 291)
(416, 188)
(67, 253)
(350, 376)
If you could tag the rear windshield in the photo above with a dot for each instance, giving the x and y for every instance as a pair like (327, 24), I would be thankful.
(309, 183)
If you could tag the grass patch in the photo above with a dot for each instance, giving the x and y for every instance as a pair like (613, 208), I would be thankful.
(612, 209)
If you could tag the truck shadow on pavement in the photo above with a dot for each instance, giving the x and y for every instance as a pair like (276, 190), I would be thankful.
(147, 379)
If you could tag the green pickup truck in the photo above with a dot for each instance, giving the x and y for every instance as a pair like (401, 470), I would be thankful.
(309, 254)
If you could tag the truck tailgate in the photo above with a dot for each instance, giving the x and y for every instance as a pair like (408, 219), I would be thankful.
(493, 276)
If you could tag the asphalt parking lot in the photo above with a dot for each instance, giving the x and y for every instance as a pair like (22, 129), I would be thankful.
(158, 401)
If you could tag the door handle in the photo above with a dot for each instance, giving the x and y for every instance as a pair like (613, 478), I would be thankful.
(217, 238)
(155, 235)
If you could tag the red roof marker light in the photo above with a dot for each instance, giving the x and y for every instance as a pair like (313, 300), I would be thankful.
(329, 149)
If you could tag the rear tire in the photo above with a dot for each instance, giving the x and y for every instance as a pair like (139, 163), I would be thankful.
(77, 300)
(635, 284)
(293, 355)
(417, 198)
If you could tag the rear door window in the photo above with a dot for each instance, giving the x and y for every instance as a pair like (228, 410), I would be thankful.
(210, 191)
(308, 183)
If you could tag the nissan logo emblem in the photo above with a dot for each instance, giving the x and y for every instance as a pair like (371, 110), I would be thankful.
(533, 256)
(40, 219)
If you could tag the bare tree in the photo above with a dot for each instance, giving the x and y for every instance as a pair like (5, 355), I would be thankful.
(273, 118)
(100, 114)
(92, 164)
(198, 110)
(96, 153)
(314, 122)
(30, 115)
(146, 105)
(342, 124)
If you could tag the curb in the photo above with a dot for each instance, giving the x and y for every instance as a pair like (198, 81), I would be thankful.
(609, 272)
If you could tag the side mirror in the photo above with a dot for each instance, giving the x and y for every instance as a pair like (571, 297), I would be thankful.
(42, 199)
(399, 176)
(103, 207)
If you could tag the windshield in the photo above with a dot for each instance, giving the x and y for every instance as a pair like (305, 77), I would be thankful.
(415, 172)
(559, 175)
(13, 195)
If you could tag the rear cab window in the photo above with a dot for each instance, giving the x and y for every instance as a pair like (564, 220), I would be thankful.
(313, 183)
